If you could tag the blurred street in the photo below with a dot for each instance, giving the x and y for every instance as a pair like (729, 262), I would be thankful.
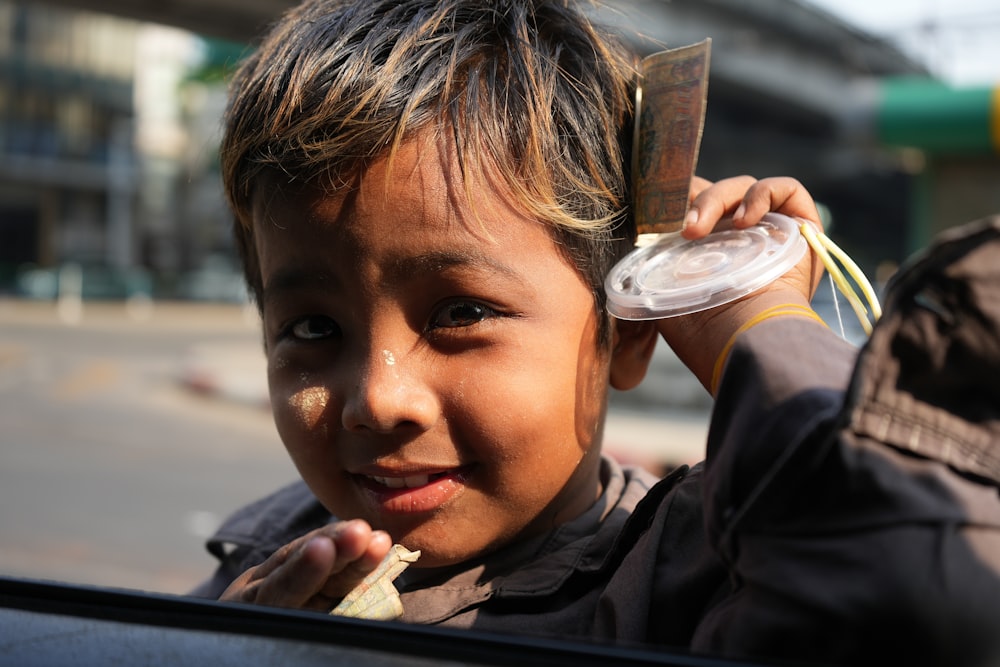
(126, 434)
(111, 471)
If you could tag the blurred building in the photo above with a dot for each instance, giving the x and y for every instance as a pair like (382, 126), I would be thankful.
(66, 115)
(106, 152)
(108, 132)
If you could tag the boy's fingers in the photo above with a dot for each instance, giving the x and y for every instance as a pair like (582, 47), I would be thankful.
(246, 587)
(350, 537)
(783, 194)
(698, 185)
(279, 557)
(335, 557)
(300, 578)
(322, 557)
(350, 573)
(713, 202)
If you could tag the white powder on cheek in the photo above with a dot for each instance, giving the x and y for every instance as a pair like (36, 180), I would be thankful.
(309, 404)
(390, 359)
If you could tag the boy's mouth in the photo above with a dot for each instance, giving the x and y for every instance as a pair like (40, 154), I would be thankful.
(408, 482)
(413, 493)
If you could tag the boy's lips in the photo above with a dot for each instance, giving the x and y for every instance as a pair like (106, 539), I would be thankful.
(412, 492)
(409, 481)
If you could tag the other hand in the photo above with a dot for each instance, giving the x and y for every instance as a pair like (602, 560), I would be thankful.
(316, 570)
(699, 338)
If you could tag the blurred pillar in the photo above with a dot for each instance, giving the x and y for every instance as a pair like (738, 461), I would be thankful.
(119, 240)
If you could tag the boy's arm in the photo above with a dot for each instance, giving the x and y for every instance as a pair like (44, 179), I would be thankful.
(702, 340)
(844, 546)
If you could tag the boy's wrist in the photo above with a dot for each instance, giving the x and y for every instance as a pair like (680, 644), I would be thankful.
(702, 340)
(780, 310)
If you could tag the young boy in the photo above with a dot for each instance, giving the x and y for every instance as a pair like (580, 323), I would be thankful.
(428, 196)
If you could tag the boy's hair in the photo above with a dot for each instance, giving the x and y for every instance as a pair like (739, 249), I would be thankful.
(530, 90)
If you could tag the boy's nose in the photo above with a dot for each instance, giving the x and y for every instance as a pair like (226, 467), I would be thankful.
(389, 393)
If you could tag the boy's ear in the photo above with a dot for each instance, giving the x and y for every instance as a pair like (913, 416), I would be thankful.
(634, 343)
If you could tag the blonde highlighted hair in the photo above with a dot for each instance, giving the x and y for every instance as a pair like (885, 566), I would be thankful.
(529, 87)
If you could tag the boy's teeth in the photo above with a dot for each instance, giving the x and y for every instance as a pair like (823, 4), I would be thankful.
(400, 482)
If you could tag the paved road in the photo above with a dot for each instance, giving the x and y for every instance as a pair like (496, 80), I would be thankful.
(112, 470)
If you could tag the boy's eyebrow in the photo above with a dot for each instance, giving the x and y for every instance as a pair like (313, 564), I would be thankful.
(291, 279)
(299, 277)
(439, 260)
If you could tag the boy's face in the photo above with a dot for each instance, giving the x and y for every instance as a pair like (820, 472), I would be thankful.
(433, 366)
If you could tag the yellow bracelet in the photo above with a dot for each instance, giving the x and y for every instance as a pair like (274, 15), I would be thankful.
(774, 311)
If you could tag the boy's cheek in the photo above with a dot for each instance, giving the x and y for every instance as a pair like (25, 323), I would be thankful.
(308, 406)
(298, 400)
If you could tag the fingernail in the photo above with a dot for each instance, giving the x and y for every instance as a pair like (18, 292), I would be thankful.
(740, 212)
(691, 218)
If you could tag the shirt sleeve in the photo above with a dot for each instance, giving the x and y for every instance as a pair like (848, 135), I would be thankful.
(213, 587)
(842, 548)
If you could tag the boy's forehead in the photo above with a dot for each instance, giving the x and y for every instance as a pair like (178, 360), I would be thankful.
(421, 180)
(383, 234)
(396, 242)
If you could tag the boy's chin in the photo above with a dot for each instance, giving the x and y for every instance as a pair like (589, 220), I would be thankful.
(438, 553)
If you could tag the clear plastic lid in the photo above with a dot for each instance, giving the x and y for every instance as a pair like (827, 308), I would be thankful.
(675, 276)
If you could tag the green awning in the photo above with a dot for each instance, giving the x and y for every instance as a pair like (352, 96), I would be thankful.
(932, 116)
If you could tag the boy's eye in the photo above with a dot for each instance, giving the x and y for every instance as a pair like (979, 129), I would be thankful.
(314, 327)
(460, 314)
